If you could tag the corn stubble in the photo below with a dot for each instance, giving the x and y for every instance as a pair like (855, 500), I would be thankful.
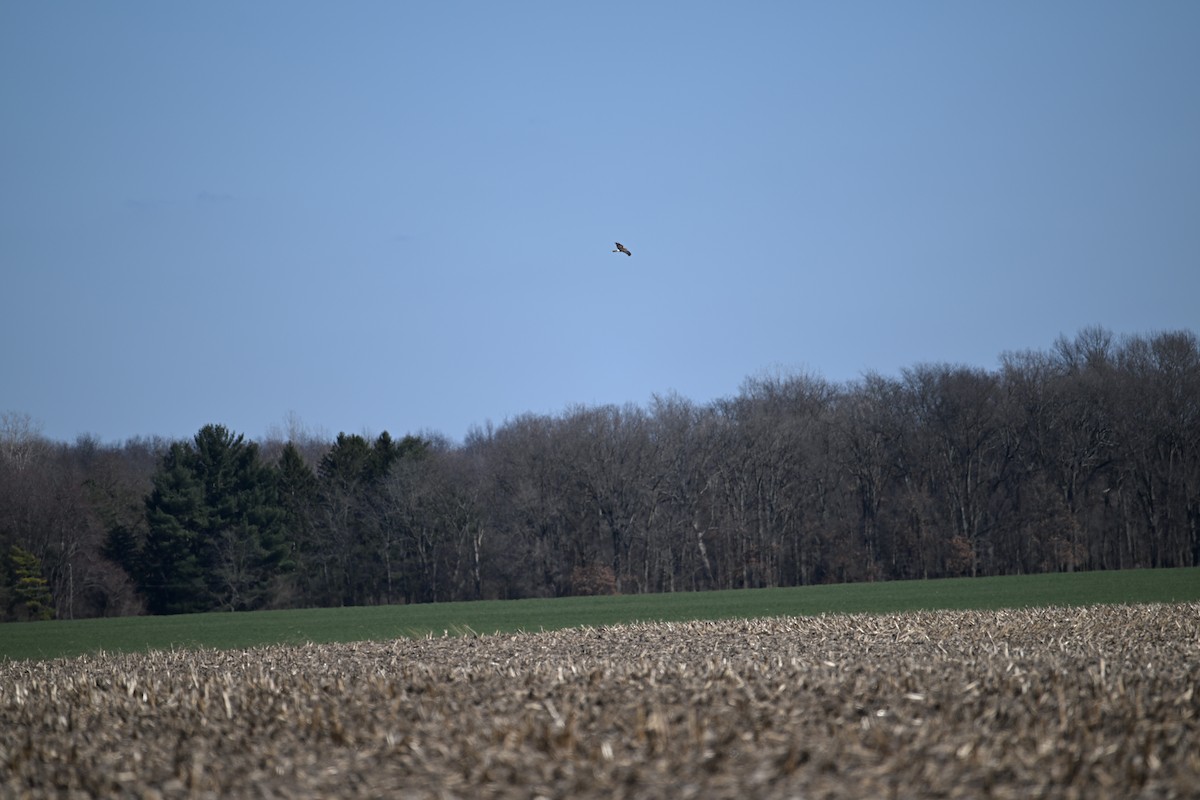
(1093, 702)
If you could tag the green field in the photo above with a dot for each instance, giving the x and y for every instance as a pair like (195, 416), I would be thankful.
(42, 640)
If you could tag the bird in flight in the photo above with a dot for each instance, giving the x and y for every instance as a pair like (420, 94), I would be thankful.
(622, 249)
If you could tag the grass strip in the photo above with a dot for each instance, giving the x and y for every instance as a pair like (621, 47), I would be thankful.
(64, 638)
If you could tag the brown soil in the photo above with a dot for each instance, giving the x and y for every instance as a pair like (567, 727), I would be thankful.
(1090, 703)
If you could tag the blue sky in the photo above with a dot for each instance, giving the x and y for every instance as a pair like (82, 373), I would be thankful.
(399, 216)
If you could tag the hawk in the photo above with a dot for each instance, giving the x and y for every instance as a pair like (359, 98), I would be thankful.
(622, 249)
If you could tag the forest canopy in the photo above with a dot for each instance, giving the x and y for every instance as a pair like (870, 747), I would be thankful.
(1084, 456)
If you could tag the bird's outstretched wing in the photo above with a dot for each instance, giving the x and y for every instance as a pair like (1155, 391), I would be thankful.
(622, 249)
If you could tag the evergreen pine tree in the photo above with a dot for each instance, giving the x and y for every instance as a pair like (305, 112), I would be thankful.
(216, 535)
(31, 591)
(173, 561)
(296, 489)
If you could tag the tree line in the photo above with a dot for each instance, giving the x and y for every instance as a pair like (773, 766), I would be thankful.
(1083, 456)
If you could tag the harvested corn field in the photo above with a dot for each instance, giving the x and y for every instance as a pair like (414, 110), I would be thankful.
(1091, 702)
